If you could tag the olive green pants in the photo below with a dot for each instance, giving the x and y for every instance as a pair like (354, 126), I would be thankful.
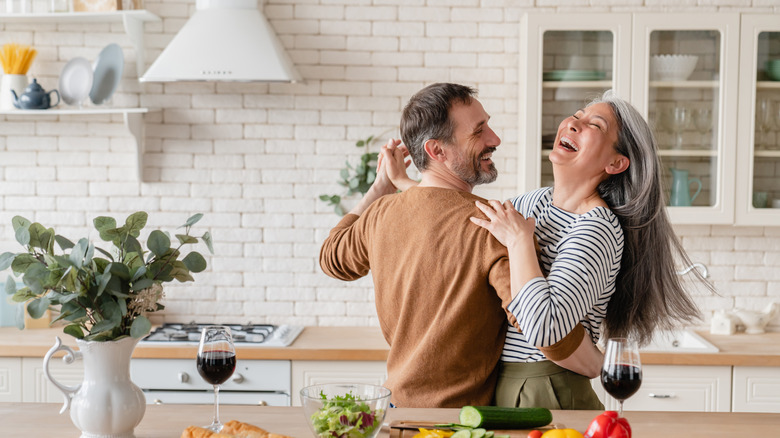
(543, 385)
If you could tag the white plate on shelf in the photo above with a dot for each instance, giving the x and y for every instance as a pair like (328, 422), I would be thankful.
(75, 81)
(108, 72)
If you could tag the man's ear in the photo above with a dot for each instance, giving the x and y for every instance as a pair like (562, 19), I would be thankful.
(435, 150)
(618, 165)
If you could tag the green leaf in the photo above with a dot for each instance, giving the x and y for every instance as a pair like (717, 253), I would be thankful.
(78, 252)
(193, 220)
(354, 183)
(344, 174)
(136, 222)
(103, 280)
(6, 259)
(70, 281)
(158, 243)
(111, 234)
(207, 239)
(142, 284)
(23, 236)
(360, 143)
(131, 244)
(74, 330)
(103, 326)
(105, 253)
(103, 223)
(194, 262)
(339, 210)
(63, 242)
(22, 262)
(10, 285)
(119, 270)
(18, 222)
(325, 198)
(141, 327)
(140, 272)
(36, 308)
(186, 239)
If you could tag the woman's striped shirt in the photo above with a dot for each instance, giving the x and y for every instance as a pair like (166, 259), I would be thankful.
(580, 258)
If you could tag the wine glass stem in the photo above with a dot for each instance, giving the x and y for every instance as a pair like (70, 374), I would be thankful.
(620, 408)
(216, 406)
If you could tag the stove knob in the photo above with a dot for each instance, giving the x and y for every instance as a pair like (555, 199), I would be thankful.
(238, 378)
(262, 403)
(184, 377)
(157, 401)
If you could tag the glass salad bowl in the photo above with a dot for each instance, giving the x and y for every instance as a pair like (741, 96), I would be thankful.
(353, 410)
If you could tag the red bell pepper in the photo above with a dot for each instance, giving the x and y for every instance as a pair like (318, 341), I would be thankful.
(608, 425)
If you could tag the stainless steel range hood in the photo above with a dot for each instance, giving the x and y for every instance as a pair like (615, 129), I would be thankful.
(225, 40)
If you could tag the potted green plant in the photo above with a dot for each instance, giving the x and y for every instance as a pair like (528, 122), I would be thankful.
(355, 179)
(104, 297)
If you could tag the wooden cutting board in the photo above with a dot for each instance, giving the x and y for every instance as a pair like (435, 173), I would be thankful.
(408, 429)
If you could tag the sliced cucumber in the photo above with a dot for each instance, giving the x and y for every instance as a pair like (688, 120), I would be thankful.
(478, 433)
(463, 433)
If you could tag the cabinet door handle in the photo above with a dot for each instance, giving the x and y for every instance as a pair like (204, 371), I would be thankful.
(183, 377)
(653, 395)
(237, 378)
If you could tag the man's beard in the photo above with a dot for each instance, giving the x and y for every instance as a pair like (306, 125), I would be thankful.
(472, 173)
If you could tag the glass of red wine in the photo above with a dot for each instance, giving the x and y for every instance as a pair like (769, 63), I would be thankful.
(621, 374)
(216, 362)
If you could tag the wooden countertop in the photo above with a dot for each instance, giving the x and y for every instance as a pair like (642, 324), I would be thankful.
(314, 343)
(367, 343)
(167, 421)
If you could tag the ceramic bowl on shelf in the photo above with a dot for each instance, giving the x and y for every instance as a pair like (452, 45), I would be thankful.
(345, 409)
(672, 67)
(773, 69)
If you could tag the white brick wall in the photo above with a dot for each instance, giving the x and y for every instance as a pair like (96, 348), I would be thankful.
(255, 157)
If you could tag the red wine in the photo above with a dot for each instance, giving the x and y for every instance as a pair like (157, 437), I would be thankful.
(216, 366)
(621, 381)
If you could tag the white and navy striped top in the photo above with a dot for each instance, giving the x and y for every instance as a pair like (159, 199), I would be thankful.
(580, 257)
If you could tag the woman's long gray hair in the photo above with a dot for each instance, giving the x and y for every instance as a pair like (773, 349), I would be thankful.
(649, 293)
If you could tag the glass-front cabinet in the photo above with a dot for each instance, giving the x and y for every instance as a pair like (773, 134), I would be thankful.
(758, 159)
(685, 83)
(567, 61)
(679, 70)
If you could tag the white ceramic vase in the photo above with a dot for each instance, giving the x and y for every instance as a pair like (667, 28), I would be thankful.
(107, 404)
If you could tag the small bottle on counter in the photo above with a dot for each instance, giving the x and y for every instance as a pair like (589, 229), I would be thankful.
(722, 323)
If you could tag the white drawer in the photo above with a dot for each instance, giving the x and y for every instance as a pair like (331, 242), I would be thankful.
(182, 374)
(756, 389)
(225, 398)
(680, 388)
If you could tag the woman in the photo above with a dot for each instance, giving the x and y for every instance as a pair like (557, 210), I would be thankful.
(603, 215)
(607, 246)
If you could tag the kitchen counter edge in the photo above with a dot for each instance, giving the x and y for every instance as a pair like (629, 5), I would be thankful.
(367, 344)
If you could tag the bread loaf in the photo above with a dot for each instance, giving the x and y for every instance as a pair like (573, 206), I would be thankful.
(231, 429)
(243, 430)
(199, 432)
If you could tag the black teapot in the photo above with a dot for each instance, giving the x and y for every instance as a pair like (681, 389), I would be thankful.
(35, 97)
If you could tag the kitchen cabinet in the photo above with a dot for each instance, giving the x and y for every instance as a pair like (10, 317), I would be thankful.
(756, 389)
(314, 372)
(758, 145)
(572, 58)
(37, 388)
(10, 379)
(133, 22)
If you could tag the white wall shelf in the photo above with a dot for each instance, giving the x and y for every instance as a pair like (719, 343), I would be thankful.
(133, 121)
(133, 22)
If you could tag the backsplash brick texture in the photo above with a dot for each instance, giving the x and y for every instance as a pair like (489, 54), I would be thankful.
(255, 157)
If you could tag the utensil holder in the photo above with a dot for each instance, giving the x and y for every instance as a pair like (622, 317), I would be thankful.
(11, 82)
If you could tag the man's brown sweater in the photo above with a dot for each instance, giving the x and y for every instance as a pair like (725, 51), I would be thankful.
(441, 283)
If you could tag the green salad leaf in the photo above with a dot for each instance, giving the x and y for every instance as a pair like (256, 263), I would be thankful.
(345, 417)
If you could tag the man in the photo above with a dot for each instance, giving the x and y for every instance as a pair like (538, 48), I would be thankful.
(441, 283)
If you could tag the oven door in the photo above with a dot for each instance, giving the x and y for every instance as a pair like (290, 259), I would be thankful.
(225, 398)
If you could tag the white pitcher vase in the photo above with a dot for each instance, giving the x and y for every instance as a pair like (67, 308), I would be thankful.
(107, 404)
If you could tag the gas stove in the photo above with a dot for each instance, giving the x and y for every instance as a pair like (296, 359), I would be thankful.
(255, 335)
